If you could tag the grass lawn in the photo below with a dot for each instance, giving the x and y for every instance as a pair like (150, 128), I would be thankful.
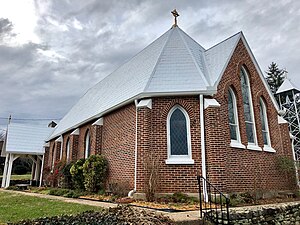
(15, 207)
(19, 177)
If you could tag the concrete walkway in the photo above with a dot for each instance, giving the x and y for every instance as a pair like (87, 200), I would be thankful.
(182, 218)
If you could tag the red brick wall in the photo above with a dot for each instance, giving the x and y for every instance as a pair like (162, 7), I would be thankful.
(118, 144)
(172, 178)
(248, 169)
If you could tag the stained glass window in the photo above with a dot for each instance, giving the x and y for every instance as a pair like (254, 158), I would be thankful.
(87, 144)
(68, 150)
(178, 133)
(264, 122)
(248, 111)
(233, 117)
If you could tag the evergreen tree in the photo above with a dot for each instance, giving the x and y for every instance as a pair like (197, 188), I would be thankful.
(275, 77)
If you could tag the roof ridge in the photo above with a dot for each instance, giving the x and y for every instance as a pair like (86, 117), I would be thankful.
(238, 33)
(207, 83)
(157, 61)
(191, 38)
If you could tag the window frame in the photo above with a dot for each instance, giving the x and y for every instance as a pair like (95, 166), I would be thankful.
(87, 148)
(264, 119)
(68, 150)
(234, 143)
(53, 155)
(179, 159)
(250, 145)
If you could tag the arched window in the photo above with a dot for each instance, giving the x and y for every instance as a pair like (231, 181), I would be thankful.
(265, 126)
(87, 144)
(248, 111)
(233, 120)
(179, 138)
(53, 155)
(68, 150)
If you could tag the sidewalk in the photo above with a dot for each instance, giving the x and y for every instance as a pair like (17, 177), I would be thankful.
(181, 218)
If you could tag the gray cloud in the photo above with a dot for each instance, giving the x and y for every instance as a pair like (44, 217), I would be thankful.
(6, 28)
(82, 42)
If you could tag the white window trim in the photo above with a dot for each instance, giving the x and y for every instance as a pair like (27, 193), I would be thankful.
(267, 148)
(86, 147)
(251, 146)
(235, 143)
(68, 150)
(179, 159)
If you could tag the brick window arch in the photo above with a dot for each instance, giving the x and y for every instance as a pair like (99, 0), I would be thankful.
(87, 144)
(179, 137)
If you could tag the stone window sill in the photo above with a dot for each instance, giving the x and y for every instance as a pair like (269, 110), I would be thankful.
(237, 145)
(269, 149)
(180, 161)
(254, 147)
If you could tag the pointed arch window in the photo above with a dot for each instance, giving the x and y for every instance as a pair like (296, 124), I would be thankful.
(233, 120)
(53, 155)
(87, 144)
(179, 137)
(265, 126)
(68, 150)
(248, 111)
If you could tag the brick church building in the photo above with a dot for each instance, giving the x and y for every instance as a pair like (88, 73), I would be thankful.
(194, 110)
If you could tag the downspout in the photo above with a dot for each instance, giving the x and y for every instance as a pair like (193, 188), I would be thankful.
(203, 159)
(130, 193)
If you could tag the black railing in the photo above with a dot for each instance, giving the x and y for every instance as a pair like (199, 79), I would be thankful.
(214, 205)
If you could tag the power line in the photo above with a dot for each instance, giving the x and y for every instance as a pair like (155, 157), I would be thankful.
(29, 119)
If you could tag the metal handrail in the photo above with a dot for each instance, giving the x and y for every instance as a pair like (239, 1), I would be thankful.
(216, 204)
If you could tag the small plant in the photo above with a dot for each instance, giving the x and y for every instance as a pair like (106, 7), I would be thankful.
(285, 164)
(54, 177)
(76, 171)
(119, 188)
(95, 171)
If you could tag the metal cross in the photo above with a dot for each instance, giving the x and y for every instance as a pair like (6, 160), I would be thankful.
(175, 14)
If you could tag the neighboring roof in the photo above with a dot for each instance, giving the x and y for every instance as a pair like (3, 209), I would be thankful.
(174, 64)
(287, 85)
(26, 139)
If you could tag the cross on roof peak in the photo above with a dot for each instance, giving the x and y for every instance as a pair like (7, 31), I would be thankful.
(175, 14)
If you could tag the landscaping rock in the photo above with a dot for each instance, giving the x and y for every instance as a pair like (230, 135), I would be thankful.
(122, 215)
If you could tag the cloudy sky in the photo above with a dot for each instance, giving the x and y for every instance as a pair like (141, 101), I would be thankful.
(51, 52)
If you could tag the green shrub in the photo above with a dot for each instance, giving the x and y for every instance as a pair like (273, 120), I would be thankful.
(58, 191)
(76, 171)
(286, 164)
(19, 170)
(67, 181)
(95, 171)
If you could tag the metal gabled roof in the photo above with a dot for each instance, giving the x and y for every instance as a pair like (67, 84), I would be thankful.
(172, 64)
(218, 56)
(25, 139)
(287, 85)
